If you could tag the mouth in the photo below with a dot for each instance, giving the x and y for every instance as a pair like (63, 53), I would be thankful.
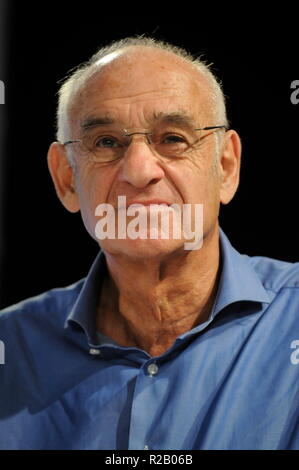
(148, 202)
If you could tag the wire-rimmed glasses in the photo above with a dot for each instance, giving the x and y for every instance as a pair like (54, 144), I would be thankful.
(108, 145)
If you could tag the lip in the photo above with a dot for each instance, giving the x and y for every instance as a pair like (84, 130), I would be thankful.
(148, 202)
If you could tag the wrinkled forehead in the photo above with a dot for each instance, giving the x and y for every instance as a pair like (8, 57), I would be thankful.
(144, 83)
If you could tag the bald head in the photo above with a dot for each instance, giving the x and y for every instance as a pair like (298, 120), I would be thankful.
(127, 64)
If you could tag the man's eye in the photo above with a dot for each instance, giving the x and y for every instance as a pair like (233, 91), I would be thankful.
(106, 142)
(173, 139)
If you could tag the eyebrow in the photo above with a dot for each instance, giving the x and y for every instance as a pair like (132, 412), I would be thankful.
(175, 117)
(95, 121)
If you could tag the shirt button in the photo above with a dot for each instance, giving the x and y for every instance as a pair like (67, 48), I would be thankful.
(152, 369)
(94, 352)
(145, 448)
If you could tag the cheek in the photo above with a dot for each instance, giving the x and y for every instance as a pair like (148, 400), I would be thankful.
(198, 183)
(203, 188)
(92, 183)
(92, 186)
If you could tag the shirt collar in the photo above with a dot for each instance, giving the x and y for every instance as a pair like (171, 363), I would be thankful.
(84, 310)
(238, 282)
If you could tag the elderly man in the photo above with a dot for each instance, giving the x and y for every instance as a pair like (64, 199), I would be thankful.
(160, 346)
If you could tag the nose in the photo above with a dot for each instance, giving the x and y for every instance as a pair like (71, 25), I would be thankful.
(140, 166)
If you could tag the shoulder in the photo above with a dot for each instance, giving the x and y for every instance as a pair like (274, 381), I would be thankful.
(275, 274)
(54, 304)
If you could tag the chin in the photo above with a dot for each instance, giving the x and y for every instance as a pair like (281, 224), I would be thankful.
(142, 248)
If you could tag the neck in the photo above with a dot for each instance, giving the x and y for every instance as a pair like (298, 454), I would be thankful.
(166, 299)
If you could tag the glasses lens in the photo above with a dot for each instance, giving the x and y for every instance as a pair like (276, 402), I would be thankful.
(107, 145)
(104, 145)
(173, 143)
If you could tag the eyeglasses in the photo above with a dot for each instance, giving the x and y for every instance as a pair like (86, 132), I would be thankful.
(104, 146)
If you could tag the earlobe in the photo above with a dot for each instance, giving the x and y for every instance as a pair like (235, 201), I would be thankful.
(230, 166)
(63, 177)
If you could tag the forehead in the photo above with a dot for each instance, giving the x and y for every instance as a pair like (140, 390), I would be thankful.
(134, 86)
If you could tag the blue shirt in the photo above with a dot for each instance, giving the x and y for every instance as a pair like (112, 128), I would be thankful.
(230, 383)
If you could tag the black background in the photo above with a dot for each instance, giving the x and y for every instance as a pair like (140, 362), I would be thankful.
(256, 57)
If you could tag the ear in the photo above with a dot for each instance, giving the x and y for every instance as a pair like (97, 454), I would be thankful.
(230, 160)
(63, 176)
